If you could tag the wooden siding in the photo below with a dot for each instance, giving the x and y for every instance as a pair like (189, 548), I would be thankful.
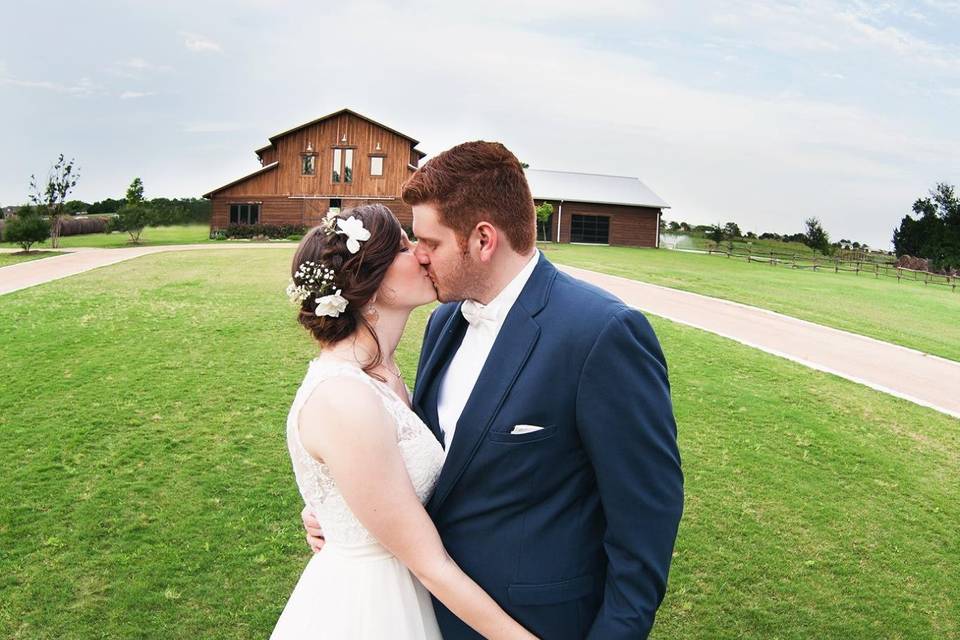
(629, 225)
(305, 211)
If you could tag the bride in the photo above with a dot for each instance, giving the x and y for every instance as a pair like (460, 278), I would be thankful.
(364, 462)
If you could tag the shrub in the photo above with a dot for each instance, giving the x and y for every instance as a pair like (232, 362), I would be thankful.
(26, 230)
(278, 231)
(132, 219)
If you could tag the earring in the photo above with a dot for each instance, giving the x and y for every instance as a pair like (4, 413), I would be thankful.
(371, 312)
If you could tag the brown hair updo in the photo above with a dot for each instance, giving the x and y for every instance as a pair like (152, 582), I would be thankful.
(358, 275)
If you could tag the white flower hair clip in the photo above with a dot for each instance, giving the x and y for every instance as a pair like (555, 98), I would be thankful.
(312, 279)
(353, 229)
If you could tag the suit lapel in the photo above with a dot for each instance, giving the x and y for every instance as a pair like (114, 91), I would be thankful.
(451, 334)
(510, 352)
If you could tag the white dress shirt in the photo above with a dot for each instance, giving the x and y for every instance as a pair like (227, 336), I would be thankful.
(468, 361)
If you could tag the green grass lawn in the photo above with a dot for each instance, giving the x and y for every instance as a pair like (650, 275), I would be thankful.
(180, 234)
(908, 313)
(146, 492)
(18, 257)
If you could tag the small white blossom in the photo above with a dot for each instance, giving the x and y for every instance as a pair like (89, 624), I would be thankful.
(332, 305)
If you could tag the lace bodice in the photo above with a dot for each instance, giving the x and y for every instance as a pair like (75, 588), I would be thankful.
(422, 454)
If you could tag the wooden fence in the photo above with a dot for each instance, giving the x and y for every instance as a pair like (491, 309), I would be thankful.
(824, 263)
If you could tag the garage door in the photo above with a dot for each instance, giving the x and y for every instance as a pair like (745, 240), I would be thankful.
(590, 229)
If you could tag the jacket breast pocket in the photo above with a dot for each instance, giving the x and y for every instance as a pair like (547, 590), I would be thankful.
(505, 437)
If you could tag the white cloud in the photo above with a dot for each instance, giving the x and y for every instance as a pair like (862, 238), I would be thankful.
(82, 88)
(128, 95)
(199, 43)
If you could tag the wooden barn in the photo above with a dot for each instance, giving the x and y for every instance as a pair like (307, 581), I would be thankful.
(345, 159)
(341, 160)
(591, 208)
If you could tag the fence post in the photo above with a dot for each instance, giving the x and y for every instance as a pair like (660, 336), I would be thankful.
(836, 265)
(876, 270)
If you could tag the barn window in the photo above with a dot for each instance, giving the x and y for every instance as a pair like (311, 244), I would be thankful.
(337, 153)
(590, 229)
(247, 213)
(376, 165)
(308, 166)
(348, 165)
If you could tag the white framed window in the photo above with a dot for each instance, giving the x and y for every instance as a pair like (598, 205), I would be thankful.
(376, 165)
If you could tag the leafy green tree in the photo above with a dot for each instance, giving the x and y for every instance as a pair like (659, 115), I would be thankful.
(544, 211)
(732, 230)
(26, 228)
(49, 198)
(134, 216)
(934, 234)
(110, 205)
(815, 237)
(74, 207)
(716, 233)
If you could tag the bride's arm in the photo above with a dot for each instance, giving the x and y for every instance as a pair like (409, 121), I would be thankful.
(345, 424)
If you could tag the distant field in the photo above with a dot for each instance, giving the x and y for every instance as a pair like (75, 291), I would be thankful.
(181, 234)
(682, 240)
(15, 258)
(908, 313)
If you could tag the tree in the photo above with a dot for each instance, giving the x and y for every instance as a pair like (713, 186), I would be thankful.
(50, 199)
(716, 233)
(544, 211)
(684, 226)
(26, 228)
(731, 230)
(134, 216)
(109, 205)
(934, 234)
(674, 226)
(74, 207)
(815, 237)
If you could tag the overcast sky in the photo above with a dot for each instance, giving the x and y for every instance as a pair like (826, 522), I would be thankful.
(757, 112)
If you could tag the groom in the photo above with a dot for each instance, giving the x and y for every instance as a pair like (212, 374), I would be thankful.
(561, 492)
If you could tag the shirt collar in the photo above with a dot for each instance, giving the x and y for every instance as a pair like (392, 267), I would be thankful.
(503, 302)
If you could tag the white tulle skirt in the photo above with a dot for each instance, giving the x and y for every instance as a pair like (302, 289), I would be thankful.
(360, 592)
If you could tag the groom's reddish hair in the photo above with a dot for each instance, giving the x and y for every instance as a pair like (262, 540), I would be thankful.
(477, 181)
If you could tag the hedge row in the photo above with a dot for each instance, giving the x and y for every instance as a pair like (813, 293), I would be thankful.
(258, 230)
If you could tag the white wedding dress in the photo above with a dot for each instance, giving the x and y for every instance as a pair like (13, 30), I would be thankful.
(354, 588)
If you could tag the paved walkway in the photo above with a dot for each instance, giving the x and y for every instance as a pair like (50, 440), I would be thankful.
(906, 373)
(921, 378)
(33, 272)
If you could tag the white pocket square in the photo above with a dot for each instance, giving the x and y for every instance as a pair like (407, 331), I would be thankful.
(525, 428)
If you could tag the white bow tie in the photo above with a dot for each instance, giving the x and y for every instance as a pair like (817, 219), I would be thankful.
(478, 315)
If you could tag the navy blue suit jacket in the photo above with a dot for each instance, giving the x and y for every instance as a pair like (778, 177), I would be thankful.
(571, 528)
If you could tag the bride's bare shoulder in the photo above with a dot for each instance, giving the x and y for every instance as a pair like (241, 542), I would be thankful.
(338, 406)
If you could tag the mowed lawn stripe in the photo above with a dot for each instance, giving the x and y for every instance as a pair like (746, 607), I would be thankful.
(146, 489)
(910, 314)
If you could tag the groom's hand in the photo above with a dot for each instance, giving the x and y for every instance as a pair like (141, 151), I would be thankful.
(314, 533)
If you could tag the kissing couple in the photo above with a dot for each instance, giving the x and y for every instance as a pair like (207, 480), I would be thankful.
(530, 486)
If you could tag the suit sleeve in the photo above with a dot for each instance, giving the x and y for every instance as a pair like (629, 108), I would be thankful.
(625, 419)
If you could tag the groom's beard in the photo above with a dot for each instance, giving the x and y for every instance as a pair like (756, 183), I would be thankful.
(463, 281)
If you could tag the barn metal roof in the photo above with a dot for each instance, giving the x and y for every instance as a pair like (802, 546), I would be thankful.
(592, 187)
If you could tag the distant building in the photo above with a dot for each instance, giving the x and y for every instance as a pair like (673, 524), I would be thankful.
(598, 209)
(345, 159)
(339, 161)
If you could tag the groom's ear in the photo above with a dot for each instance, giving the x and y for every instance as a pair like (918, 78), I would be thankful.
(488, 237)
